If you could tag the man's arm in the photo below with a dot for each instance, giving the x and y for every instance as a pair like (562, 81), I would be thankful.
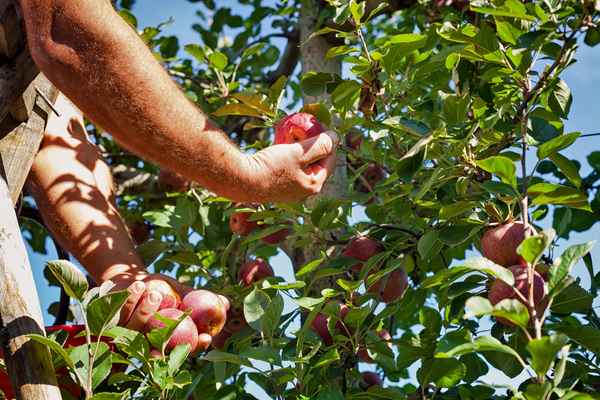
(98, 61)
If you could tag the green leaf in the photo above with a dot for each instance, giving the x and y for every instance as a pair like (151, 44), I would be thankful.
(541, 130)
(548, 193)
(263, 353)
(255, 307)
(329, 393)
(564, 263)
(340, 51)
(573, 299)
(587, 336)
(485, 265)
(399, 47)
(429, 245)
(103, 313)
(377, 9)
(133, 344)
(150, 251)
(237, 109)
(112, 396)
(215, 355)
(407, 168)
(270, 321)
(567, 167)
(54, 346)
(277, 91)
(559, 98)
(455, 209)
(533, 248)
(327, 358)
(256, 100)
(443, 372)
(410, 125)
(445, 275)
(482, 343)
(512, 310)
(177, 357)
(500, 166)
(509, 8)
(218, 60)
(543, 352)
(377, 393)
(499, 189)
(357, 10)
(315, 83)
(455, 109)
(100, 368)
(455, 235)
(557, 144)
(430, 319)
(70, 277)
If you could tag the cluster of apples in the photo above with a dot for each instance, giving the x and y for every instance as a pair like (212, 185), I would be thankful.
(250, 273)
(206, 320)
(499, 245)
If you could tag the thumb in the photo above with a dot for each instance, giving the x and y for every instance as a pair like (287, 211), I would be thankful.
(318, 147)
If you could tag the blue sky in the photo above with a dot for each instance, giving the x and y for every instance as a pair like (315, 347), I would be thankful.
(582, 79)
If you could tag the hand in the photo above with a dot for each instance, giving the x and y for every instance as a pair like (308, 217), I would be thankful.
(134, 315)
(287, 173)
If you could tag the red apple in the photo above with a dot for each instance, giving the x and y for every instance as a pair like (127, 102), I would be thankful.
(238, 222)
(374, 174)
(218, 342)
(186, 331)
(170, 297)
(501, 290)
(319, 325)
(363, 354)
(297, 127)
(395, 287)
(236, 321)
(499, 245)
(371, 379)
(169, 181)
(208, 311)
(362, 249)
(254, 271)
(279, 236)
(139, 231)
(354, 138)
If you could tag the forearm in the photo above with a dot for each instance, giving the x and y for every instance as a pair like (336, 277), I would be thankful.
(100, 63)
(72, 186)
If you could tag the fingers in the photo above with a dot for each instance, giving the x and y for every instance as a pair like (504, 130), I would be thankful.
(147, 307)
(318, 147)
(204, 340)
(136, 289)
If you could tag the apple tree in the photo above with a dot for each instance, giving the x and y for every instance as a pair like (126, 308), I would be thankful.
(452, 118)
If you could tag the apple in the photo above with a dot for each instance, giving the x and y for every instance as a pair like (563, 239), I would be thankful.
(354, 138)
(279, 236)
(238, 222)
(186, 331)
(218, 342)
(542, 269)
(395, 287)
(208, 310)
(254, 271)
(297, 127)
(319, 325)
(236, 321)
(499, 245)
(371, 379)
(363, 354)
(169, 181)
(139, 231)
(374, 174)
(170, 297)
(362, 249)
(501, 290)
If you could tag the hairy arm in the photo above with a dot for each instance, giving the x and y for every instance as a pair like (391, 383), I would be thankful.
(98, 61)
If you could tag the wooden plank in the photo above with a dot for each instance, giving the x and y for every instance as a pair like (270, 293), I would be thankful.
(20, 142)
(15, 77)
(23, 107)
(29, 363)
(11, 39)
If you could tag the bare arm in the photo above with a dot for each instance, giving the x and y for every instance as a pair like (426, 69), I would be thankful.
(99, 62)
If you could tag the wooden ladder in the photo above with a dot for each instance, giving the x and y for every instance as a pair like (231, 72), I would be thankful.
(26, 98)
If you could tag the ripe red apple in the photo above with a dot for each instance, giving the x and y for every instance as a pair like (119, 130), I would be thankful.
(254, 271)
(362, 249)
(170, 297)
(371, 379)
(279, 236)
(238, 222)
(169, 181)
(374, 174)
(236, 321)
(363, 354)
(186, 331)
(297, 127)
(319, 325)
(500, 244)
(354, 138)
(139, 231)
(501, 290)
(218, 342)
(208, 311)
(395, 287)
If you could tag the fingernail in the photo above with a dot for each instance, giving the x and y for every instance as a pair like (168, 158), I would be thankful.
(154, 298)
(335, 138)
(138, 287)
